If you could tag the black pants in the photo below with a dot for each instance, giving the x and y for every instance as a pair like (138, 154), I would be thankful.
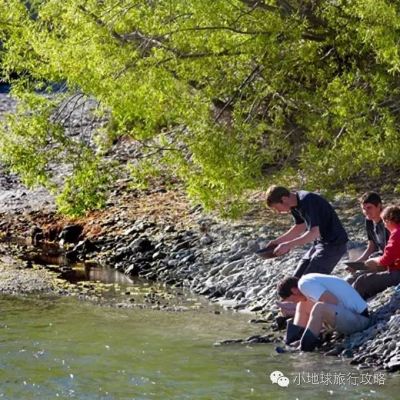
(370, 284)
(321, 258)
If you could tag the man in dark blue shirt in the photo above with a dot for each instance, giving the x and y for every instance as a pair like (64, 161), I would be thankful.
(315, 221)
(377, 234)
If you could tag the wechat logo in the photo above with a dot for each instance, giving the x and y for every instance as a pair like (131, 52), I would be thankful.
(280, 379)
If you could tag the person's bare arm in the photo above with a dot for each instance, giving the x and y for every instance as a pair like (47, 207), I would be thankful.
(293, 232)
(307, 237)
(369, 250)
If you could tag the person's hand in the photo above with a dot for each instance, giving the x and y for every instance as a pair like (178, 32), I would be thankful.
(282, 249)
(373, 264)
(271, 243)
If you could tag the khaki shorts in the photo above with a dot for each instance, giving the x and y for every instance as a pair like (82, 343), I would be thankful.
(348, 321)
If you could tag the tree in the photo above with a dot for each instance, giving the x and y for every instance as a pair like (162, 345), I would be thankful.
(225, 95)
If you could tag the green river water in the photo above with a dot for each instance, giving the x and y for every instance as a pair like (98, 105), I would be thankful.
(63, 348)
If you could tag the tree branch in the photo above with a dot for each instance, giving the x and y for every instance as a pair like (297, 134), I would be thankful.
(256, 70)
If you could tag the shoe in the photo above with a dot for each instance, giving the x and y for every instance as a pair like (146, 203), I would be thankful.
(293, 332)
(309, 341)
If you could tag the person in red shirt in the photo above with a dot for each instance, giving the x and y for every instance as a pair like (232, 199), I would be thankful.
(384, 270)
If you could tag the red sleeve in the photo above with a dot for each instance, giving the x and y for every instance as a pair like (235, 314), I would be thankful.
(392, 250)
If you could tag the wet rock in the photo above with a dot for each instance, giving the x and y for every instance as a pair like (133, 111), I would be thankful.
(280, 349)
(393, 364)
(258, 339)
(36, 235)
(71, 256)
(228, 341)
(85, 246)
(258, 321)
(346, 353)
(71, 233)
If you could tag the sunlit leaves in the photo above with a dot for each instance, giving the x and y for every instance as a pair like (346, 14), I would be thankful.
(232, 94)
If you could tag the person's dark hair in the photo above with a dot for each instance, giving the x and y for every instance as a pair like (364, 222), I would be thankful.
(286, 285)
(275, 194)
(370, 197)
(391, 214)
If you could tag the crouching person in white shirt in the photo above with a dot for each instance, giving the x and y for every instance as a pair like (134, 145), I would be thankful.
(322, 299)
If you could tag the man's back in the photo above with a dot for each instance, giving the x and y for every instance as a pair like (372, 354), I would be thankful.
(314, 210)
(314, 285)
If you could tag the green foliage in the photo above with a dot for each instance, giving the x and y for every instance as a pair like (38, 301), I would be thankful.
(85, 189)
(227, 96)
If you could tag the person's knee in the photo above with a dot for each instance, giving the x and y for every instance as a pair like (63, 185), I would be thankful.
(323, 312)
(361, 286)
(303, 308)
(318, 309)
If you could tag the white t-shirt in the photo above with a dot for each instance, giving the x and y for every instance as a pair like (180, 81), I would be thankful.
(314, 285)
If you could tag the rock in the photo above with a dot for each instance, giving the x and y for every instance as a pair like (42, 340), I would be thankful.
(258, 321)
(257, 339)
(393, 364)
(347, 353)
(280, 350)
(206, 239)
(85, 246)
(228, 341)
(36, 235)
(158, 255)
(142, 245)
(71, 233)
(129, 231)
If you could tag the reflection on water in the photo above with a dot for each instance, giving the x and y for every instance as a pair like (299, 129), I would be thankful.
(93, 272)
(61, 349)
(57, 259)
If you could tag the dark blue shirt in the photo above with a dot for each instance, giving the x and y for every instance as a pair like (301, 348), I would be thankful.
(314, 210)
(378, 234)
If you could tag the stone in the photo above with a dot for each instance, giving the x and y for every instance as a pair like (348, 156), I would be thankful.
(71, 233)
(206, 240)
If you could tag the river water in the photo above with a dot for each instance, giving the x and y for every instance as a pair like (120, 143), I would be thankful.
(61, 348)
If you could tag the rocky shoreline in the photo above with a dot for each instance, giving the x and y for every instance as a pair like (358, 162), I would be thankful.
(158, 236)
(184, 248)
